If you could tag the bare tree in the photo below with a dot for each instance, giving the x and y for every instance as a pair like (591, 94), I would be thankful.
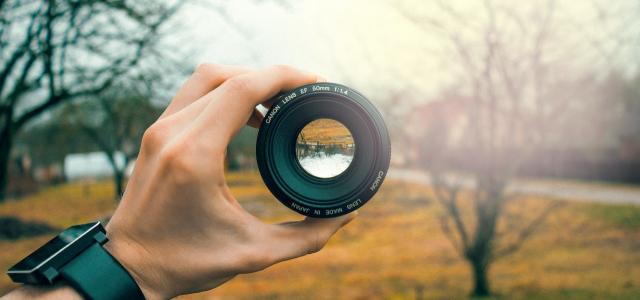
(58, 50)
(517, 82)
(114, 121)
(507, 102)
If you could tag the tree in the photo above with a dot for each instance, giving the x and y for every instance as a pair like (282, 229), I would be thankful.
(59, 50)
(503, 109)
(46, 144)
(114, 121)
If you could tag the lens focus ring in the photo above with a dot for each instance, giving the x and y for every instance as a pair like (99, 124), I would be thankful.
(289, 181)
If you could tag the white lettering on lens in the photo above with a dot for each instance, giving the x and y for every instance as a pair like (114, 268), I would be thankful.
(333, 211)
(376, 182)
(300, 207)
(341, 90)
(272, 113)
(289, 97)
(354, 204)
(316, 88)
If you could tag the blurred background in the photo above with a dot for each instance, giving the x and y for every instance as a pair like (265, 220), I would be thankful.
(515, 132)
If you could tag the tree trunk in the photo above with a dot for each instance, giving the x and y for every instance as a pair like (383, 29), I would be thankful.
(118, 180)
(5, 150)
(480, 280)
(118, 175)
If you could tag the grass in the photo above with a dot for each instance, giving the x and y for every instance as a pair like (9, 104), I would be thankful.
(395, 248)
(623, 216)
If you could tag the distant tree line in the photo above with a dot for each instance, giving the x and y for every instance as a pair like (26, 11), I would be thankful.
(53, 52)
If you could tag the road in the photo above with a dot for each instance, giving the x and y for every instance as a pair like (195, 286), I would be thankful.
(575, 191)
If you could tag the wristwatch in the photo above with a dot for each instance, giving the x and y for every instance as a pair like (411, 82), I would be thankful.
(77, 257)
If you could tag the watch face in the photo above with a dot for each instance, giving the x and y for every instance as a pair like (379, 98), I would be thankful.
(55, 253)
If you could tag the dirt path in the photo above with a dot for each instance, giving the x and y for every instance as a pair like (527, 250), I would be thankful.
(568, 190)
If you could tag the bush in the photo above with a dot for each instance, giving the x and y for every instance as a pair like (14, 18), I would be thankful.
(12, 228)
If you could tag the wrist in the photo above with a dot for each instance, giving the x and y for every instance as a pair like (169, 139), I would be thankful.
(129, 255)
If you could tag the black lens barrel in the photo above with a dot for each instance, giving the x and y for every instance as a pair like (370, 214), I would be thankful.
(290, 183)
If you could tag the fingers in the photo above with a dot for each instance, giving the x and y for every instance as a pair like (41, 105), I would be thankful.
(295, 239)
(267, 104)
(205, 78)
(258, 115)
(232, 103)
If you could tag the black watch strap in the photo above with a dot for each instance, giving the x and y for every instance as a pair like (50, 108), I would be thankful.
(97, 275)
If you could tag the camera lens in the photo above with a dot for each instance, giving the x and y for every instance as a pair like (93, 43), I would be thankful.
(323, 149)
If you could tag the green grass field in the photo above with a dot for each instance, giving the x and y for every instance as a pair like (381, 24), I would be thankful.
(395, 247)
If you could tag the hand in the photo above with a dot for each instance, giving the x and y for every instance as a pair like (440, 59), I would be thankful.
(178, 228)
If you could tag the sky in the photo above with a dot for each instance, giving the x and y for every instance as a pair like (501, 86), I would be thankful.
(375, 46)
(363, 43)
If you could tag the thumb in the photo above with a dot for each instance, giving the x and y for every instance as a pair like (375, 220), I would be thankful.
(295, 239)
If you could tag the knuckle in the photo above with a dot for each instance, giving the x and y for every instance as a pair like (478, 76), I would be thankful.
(319, 240)
(211, 73)
(251, 260)
(282, 68)
(313, 244)
(177, 162)
(207, 69)
(238, 84)
(153, 137)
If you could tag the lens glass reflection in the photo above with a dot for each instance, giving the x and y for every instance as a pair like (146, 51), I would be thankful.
(325, 148)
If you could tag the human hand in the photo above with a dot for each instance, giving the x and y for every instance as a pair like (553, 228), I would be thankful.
(178, 228)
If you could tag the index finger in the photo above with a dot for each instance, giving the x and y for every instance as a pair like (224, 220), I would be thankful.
(232, 103)
(205, 78)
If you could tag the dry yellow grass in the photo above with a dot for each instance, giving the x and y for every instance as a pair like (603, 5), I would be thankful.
(396, 246)
(325, 131)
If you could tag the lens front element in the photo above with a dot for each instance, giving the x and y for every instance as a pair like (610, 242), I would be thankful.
(324, 148)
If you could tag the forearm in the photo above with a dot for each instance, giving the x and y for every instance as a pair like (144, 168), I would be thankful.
(58, 291)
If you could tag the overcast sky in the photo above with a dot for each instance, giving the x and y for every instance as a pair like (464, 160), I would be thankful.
(372, 45)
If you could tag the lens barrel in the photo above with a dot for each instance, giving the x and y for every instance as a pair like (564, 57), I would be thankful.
(286, 178)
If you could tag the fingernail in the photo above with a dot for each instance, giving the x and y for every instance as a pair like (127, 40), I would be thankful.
(320, 79)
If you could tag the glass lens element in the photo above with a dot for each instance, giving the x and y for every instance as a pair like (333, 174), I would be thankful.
(325, 148)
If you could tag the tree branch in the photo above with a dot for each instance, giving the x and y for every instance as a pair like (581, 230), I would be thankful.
(20, 50)
(456, 243)
(527, 231)
(447, 196)
(114, 72)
